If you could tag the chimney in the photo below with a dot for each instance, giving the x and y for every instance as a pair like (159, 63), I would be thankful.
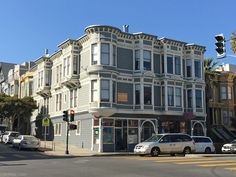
(46, 52)
(126, 28)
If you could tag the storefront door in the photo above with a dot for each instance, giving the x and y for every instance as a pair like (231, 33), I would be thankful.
(120, 143)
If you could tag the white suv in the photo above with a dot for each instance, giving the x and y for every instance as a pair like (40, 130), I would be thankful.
(169, 143)
(203, 144)
(8, 136)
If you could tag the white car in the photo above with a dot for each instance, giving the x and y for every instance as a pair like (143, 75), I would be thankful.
(229, 147)
(203, 144)
(8, 136)
(169, 143)
(26, 142)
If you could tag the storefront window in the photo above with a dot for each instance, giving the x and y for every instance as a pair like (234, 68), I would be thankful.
(133, 123)
(118, 123)
(108, 135)
(96, 136)
(133, 136)
(108, 122)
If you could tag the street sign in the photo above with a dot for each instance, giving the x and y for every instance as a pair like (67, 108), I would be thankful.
(45, 121)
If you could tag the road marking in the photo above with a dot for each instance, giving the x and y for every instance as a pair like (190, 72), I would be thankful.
(183, 160)
(202, 162)
(18, 155)
(218, 165)
(230, 168)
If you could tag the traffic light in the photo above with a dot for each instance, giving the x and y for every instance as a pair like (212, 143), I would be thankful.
(65, 116)
(72, 115)
(220, 44)
(73, 127)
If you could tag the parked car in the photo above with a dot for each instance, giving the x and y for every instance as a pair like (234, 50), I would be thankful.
(8, 136)
(203, 144)
(26, 142)
(170, 143)
(229, 147)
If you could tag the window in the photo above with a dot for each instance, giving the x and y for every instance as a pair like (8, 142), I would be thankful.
(78, 130)
(57, 74)
(223, 92)
(94, 89)
(178, 97)
(137, 59)
(170, 96)
(229, 93)
(108, 135)
(105, 85)
(177, 65)
(64, 67)
(189, 68)
(75, 64)
(197, 69)
(94, 54)
(57, 129)
(137, 94)
(68, 65)
(170, 64)
(58, 101)
(198, 98)
(105, 54)
(71, 98)
(114, 55)
(147, 60)
(147, 94)
(189, 95)
(122, 97)
(163, 95)
(114, 91)
(75, 97)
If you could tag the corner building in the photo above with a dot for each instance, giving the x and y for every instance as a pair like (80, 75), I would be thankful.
(123, 88)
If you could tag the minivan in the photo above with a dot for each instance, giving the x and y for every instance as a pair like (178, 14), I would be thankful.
(168, 143)
(203, 144)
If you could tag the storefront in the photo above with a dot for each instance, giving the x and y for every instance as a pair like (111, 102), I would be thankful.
(122, 134)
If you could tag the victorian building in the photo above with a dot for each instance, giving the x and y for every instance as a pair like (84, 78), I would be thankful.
(123, 88)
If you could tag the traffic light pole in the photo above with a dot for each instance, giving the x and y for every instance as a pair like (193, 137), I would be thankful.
(67, 138)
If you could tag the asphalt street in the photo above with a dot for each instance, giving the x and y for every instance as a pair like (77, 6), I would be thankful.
(36, 164)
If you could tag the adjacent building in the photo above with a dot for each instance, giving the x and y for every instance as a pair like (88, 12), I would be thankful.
(123, 88)
(221, 104)
(4, 69)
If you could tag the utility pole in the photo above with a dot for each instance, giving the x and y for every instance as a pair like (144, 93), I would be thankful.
(67, 138)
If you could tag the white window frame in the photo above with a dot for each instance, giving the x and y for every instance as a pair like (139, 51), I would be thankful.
(78, 130)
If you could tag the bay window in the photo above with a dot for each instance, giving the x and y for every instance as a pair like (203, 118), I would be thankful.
(177, 65)
(137, 59)
(147, 60)
(147, 94)
(105, 90)
(105, 54)
(199, 98)
(94, 53)
(94, 91)
(178, 97)
(170, 96)
(170, 64)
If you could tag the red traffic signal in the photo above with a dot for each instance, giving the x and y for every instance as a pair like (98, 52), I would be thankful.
(72, 115)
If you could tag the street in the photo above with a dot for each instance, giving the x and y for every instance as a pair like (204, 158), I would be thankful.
(36, 164)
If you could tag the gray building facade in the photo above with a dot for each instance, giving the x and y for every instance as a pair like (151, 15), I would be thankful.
(122, 87)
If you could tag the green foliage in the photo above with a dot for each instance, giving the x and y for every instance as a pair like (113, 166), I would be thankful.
(13, 108)
(233, 42)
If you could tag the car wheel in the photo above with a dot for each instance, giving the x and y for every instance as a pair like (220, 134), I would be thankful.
(141, 155)
(187, 150)
(208, 150)
(155, 152)
(172, 154)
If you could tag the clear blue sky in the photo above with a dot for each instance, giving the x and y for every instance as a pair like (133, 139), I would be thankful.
(27, 27)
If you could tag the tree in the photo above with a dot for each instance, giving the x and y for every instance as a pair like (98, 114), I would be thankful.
(233, 42)
(17, 112)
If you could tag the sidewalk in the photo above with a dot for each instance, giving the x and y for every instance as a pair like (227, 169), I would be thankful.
(58, 149)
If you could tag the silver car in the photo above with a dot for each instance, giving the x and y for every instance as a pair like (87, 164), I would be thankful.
(26, 142)
(170, 143)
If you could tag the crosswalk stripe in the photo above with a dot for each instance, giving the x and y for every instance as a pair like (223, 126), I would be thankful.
(183, 160)
(19, 156)
(218, 165)
(230, 168)
(202, 162)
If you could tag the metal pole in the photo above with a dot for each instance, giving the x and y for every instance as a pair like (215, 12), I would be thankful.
(67, 138)
(45, 129)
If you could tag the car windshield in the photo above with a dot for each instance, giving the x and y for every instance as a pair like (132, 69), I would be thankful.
(30, 138)
(153, 138)
(14, 134)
